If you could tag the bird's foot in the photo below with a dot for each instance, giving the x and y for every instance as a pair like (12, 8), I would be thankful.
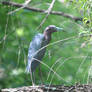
(33, 84)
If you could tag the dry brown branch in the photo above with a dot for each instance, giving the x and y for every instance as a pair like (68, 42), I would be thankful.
(43, 11)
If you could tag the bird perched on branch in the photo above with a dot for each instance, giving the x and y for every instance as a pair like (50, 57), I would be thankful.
(37, 48)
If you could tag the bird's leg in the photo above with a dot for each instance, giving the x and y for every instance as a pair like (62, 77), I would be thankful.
(40, 73)
(34, 78)
(31, 75)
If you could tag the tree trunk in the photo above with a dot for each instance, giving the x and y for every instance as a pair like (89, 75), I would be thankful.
(51, 88)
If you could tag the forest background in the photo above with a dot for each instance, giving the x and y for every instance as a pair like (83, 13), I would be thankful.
(70, 52)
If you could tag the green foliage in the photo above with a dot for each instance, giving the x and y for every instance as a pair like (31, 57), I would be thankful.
(73, 55)
(85, 8)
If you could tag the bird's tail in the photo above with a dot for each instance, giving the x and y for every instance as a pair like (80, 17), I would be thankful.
(28, 68)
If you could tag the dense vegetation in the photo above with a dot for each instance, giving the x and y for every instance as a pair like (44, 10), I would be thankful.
(73, 55)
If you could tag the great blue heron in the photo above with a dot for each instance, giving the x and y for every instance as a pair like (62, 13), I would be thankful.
(35, 53)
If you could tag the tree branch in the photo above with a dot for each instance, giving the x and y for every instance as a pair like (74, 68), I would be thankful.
(48, 13)
(43, 11)
(24, 5)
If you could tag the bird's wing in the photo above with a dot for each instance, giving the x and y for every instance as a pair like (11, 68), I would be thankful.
(35, 45)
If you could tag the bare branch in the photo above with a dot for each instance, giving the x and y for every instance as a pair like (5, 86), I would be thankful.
(23, 6)
(48, 12)
(43, 11)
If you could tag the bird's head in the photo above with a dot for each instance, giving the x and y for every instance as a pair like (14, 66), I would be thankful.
(51, 29)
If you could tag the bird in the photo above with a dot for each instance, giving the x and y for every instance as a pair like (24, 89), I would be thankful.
(35, 53)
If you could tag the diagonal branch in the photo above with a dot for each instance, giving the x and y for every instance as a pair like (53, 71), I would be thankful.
(23, 6)
(43, 11)
(48, 13)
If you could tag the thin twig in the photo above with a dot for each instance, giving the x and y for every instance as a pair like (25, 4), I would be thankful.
(23, 6)
(48, 13)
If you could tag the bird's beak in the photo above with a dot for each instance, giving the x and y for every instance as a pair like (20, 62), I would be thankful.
(59, 29)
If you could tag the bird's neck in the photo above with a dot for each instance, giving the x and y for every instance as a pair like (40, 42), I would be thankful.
(47, 36)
